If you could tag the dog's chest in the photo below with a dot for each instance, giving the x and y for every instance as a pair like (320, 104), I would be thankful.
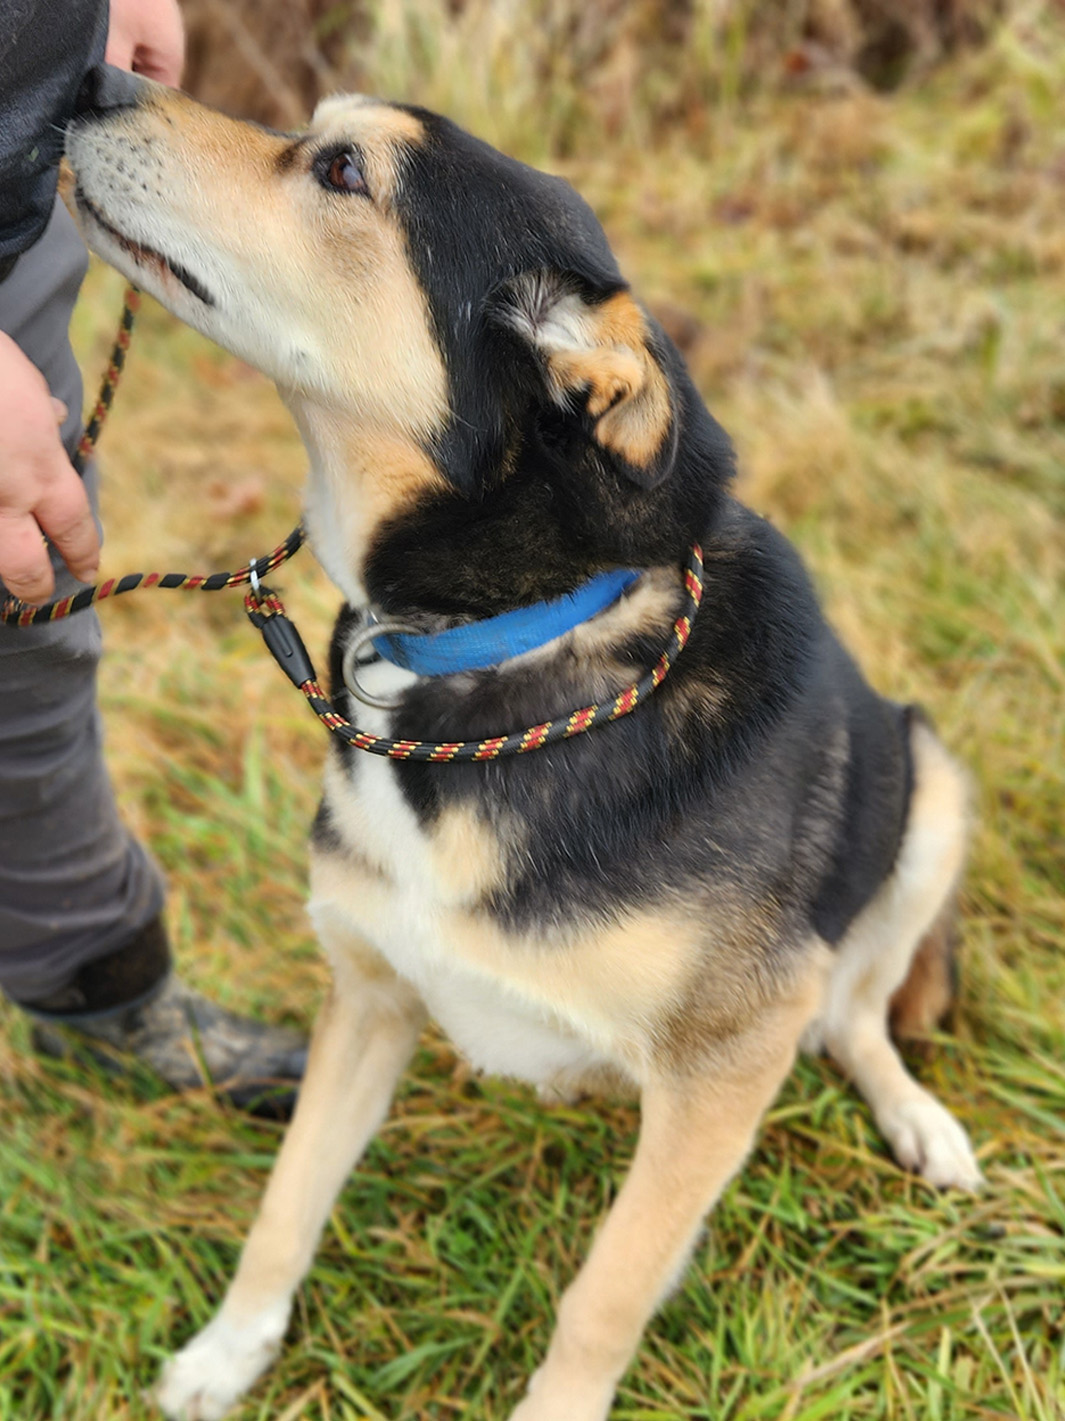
(413, 896)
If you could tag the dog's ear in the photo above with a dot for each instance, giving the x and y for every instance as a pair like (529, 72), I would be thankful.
(593, 345)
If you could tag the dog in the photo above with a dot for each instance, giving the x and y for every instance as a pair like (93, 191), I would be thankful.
(762, 856)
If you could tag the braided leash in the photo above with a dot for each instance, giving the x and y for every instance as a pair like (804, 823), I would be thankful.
(266, 611)
(25, 614)
(131, 304)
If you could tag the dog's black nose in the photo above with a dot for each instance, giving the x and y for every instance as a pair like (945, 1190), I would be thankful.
(105, 88)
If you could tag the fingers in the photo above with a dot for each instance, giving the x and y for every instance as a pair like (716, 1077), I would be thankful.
(40, 493)
(147, 36)
(119, 51)
(24, 558)
(62, 511)
(162, 58)
(64, 514)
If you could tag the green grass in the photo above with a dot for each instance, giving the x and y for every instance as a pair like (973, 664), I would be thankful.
(877, 286)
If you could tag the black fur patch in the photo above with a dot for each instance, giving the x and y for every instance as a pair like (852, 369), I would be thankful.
(763, 764)
(324, 835)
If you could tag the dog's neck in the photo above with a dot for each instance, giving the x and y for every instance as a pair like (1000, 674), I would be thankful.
(361, 474)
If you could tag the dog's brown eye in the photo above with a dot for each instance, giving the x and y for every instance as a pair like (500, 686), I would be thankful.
(344, 174)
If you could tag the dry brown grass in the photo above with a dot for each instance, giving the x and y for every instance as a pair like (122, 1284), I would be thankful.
(602, 61)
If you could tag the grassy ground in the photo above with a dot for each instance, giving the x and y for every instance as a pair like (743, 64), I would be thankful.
(876, 289)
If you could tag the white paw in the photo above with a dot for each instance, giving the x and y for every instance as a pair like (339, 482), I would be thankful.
(215, 1369)
(925, 1137)
(553, 1398)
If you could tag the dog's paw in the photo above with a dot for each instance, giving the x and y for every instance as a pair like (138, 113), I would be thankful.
(926, 1138)
(215, 1369)
(553, 1398)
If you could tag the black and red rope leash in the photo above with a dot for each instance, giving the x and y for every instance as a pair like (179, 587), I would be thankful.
(131, 304)
(266, 611)
(13, 612)
(25, 614)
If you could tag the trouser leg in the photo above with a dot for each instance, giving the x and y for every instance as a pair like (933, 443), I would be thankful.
(74, 886)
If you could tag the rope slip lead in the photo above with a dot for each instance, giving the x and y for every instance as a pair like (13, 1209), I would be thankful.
(14, 612)
(267, 612)
(131, 304)
(25, 614)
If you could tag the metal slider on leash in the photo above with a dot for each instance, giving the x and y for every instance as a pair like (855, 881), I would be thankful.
(279, 632)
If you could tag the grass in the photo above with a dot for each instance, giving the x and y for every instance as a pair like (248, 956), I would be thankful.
(874, 288)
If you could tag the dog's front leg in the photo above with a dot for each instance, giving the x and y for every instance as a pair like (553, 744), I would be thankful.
(363, 1039)
(695, 1132)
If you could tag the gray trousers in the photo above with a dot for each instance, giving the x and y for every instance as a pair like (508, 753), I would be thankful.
(74, 886)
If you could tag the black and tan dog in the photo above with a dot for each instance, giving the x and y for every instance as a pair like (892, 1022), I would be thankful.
(761, 857)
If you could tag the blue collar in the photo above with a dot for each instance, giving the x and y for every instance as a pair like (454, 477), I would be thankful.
(481, 644)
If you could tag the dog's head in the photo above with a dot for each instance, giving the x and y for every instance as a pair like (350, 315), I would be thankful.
(445, 322)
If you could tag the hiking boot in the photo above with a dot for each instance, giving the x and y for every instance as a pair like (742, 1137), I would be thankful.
(186, 1039)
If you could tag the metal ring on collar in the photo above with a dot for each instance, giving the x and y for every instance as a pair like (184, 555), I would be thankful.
(347, 666)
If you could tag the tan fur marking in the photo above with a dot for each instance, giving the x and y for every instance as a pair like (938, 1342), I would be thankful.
(926, 996)
(380, 130)
(340, 109)
(940, 797)
(612, 375)
(352, 349)
(876, 957)
(627, 387)
(612, 985)
(637, 428)
(467, 854)
(363, 1037)
(361, 477)
(730, 986)
(928, 866)
(349, 813)
(664, 984)
(353, 885)
(467, 857)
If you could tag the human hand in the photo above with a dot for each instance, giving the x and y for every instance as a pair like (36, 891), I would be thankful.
(39, 489)
(148, 37)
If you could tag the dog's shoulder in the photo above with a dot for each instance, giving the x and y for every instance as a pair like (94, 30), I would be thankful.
(806, 744)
